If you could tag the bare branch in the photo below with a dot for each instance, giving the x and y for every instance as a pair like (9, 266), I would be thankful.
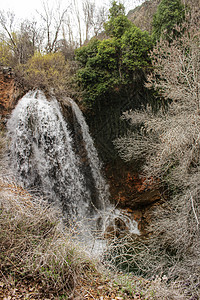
(192, 202)
(53, 19)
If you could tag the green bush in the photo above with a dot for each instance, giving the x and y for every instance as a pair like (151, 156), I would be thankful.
(169, 14)
(109, 68)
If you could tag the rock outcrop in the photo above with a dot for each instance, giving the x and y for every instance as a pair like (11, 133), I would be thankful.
(131, 192)
(127, 190)
(8, 92)
(142, 15)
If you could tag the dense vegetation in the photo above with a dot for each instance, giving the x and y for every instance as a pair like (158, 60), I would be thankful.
(108, 67)
(169, 14)
(49, 72)
(167, 62)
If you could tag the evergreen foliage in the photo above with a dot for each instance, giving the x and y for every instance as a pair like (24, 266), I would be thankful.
(135, 46)
(118, 23)
(169, 14)
(108, 67)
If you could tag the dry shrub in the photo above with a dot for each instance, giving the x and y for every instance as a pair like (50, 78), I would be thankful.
(2, 143)
(170, 143)
(47, 72)
(34, 245)
(143, 268)
(168, 257)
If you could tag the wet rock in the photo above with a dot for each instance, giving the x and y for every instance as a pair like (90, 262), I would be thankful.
(143, 199)
(116, 229)
(129, 190)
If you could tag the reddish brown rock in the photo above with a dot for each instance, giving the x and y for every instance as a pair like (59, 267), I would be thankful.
(9, 93)
(131, 192)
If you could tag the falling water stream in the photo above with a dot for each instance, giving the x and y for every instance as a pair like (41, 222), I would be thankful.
(43, 158)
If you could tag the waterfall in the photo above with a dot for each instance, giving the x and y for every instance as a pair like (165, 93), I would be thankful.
(100, 183)
(43, 156)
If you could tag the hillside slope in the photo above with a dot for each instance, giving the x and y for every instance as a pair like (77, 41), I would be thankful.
(142, 15)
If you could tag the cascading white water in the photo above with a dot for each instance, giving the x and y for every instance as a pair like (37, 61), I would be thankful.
(94, 162)
(43, 158)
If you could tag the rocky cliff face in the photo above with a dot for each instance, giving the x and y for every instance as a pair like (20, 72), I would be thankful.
(127, 189)
(142, 15)
(8, 92)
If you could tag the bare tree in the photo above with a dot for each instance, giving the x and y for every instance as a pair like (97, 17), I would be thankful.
(7, 21)
(22, 38)
(67, 27)
(78, 17)
(90, 19)
(53, 19)
(29, 39)
(67, 44)
(100, 18)
(170, 143)
(88, 11)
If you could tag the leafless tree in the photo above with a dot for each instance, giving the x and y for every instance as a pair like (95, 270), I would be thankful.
(170, 143)
(22, 38)
(100, 18)
(90, 19)
(29, 39)
(53, 18)
(88, 12)
(78, 18)
(67, 44)
(68, 31)
(7, 21)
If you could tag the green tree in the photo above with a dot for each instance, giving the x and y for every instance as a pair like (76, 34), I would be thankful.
(135, 45)
(118, 23)
(169, 14)
(108, 67)
(98, 74)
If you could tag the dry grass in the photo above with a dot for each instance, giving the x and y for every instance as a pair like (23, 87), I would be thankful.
(145, 269)
(170, 272)
(34, 245)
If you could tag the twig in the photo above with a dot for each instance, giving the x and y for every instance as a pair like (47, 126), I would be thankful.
(192, 202)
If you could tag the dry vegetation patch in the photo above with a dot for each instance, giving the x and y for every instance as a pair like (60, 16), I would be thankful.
(40, 259)
(34, 245)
